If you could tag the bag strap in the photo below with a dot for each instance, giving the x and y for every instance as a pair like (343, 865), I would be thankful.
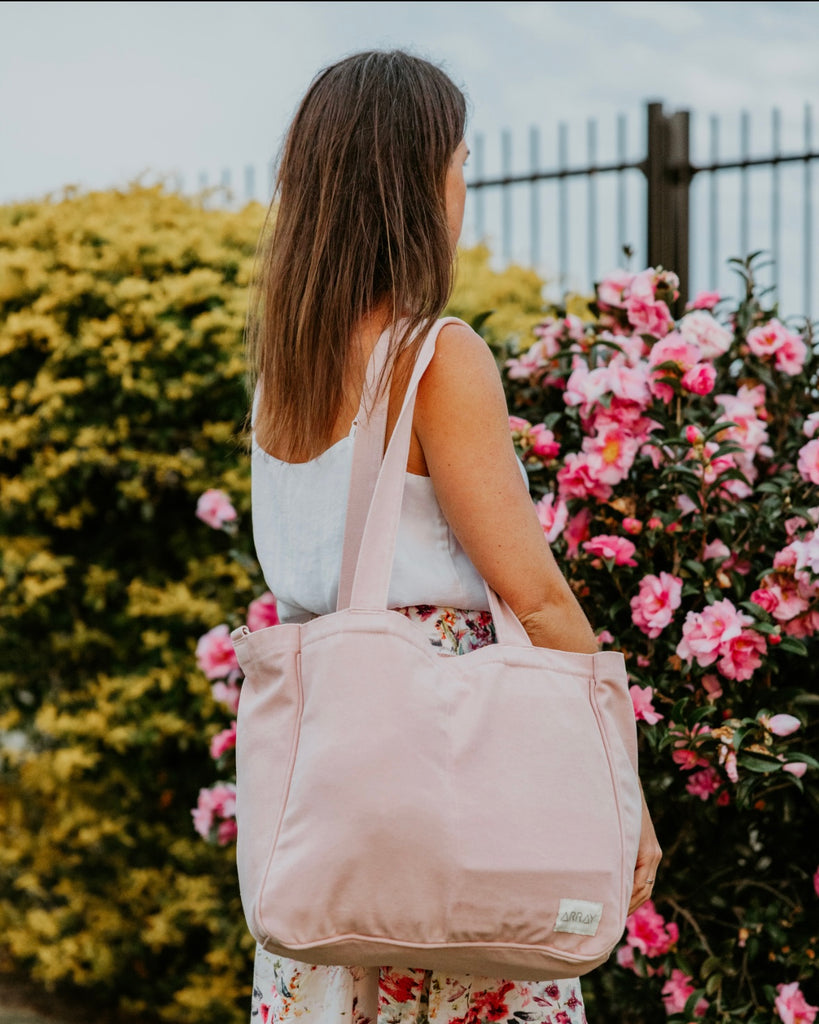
(373, 564)
(368, 452)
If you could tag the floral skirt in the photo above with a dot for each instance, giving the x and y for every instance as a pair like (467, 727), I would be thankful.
(285, 989)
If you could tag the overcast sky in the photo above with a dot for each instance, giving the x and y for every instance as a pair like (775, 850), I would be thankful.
(97, 93)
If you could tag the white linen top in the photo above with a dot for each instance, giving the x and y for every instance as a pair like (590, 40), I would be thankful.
(299, 511)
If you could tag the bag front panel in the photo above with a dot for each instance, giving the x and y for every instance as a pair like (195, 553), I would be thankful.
(365, 844)
(536, 810)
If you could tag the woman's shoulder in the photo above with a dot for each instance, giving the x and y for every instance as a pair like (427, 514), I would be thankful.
(462, 366)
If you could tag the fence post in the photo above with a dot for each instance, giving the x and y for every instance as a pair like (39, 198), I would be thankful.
(668, 172)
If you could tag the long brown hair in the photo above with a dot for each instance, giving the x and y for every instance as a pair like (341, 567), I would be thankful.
(357, 224)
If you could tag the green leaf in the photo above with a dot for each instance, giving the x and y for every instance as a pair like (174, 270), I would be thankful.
(792, 644)
(758, 763)
(712, 963)
(477, 321)
(797, 755)
(713, 983)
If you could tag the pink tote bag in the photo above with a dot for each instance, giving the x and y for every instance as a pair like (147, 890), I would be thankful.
(476, 814)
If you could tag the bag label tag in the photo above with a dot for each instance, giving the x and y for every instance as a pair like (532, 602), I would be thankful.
(582, 917)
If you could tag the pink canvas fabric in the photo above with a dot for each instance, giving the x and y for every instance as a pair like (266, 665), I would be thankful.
(348, 721)
(285, 990)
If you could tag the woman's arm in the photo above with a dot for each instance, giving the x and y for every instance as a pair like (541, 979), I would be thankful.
(461, 424)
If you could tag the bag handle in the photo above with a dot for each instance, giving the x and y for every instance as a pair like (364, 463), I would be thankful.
(373, 564)
(368, 452)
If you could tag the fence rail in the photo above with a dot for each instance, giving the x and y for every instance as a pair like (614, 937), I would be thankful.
(667, 173)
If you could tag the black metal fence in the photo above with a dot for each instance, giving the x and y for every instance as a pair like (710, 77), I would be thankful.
(648, 204)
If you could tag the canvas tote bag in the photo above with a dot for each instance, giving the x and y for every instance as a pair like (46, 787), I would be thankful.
(478, 813)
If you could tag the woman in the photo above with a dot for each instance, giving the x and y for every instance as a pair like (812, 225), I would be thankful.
(370, 207)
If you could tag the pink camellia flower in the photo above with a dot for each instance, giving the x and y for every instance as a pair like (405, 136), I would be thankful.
(612, 452)
(553, 515)
(608, 547)
(228, 694)
(215, 509)
(576, 531)
(518, 425)
(774, 339)
(766, 599)
(712, 686)
(716, 549)
(705, 632)
(802, 626)
(781, 725)
(223, 741)
(528, 364)
(585, 387)
(676, 992)
(673, 349)
(544, 445)
(704, 784)
(704, 300)
(653, 607)
(811, 424)
(641, 699)
(625, 957)
(791, 595)
(214, 653)
(767, 339)
(710, 337)
(790, 357)
(226, 831)
(553, 330)
(700, 379)
(580, 477)
(217, 802)
(808, 463)
(797, 768)
(626, 381)
(604, 637)
(262, 612)
(688, 759)
(728, 760)
(648, 931)
(611, 291)
(648, 316)
(791, 1005)
(741, 656)
(816, 882)
(807, 552)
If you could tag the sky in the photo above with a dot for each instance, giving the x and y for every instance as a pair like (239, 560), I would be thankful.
(96, 94)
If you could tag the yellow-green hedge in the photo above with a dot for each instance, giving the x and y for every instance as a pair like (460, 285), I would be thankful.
(121, 398)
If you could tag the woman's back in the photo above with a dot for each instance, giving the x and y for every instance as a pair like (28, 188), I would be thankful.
(299, 513)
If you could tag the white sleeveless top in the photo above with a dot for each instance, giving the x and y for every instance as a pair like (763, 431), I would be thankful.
(299, 511)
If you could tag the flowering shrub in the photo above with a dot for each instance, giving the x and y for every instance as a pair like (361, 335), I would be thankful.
(678, 490)
(121, 385)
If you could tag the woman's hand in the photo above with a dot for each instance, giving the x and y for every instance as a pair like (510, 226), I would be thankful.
(649, 855)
